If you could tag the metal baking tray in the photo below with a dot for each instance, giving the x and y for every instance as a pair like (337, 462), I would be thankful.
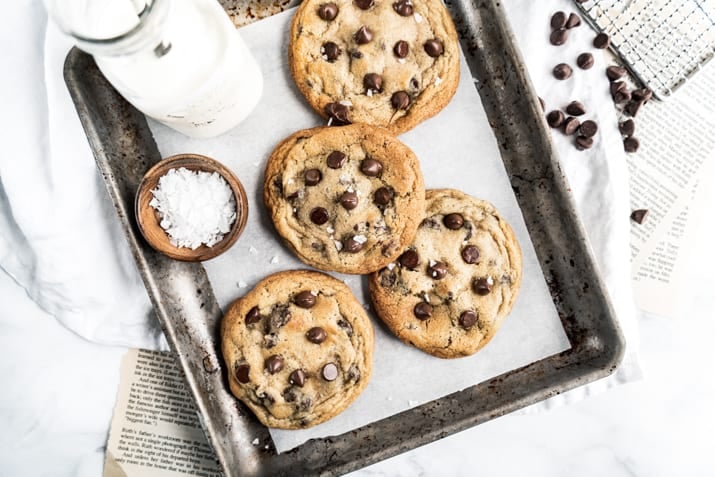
(185, 304)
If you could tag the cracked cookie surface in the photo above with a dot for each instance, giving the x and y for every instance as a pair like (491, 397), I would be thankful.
(449, 292)
(345, 199)
(382, 62)
(298, 348)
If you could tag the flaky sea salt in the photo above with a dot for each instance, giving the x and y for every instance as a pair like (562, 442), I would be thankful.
(195, 207)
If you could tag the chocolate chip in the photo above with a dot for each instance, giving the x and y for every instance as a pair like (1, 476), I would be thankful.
(482, 286)
(639, 215)
(370, 167)
(372, 82)
(562, 71)
(297, 378)
(467, 319)
(631, 144)
(363, 35)
(331, 51)
(336, 159)
(253, 316)
(583, 143)
(571, 125)
(328, 11)
(349, 200)
(643, 95)
(633, 107)
(305, 299)
(330, 372)
(438, 270)
(350, 245)
(434, 47)
(400, 100)
(274, 364)
(404, 8)
(615, 73)
(319, 215)
(559, 37)
(338, 112)
(588, 128)
(585, 61)
(601, 41)
(409, 260)
(383, 196)
(364, 4)
(401, 49)
(558, 20)
(555, 118)
(470, 254)
(627, 127)
(620, 96)
(312, 177)
(453, 221)
(575, 108)
(422, 310)
(242, 373)
(573, 21)
(316, 335)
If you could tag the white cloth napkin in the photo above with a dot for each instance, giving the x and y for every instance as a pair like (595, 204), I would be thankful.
(60, 239)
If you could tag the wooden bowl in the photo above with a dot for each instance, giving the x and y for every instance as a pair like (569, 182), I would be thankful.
(148, 218)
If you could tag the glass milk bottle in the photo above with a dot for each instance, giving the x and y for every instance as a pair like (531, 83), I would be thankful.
(182, 62)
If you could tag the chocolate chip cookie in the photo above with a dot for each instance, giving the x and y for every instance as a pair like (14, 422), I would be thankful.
(390, 63)
(298, 348)
(344, 199)
(448, 293)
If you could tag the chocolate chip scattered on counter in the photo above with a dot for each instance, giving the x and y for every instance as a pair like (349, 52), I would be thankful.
(583, 143)
(371, 167)
(363, 35)
(330, 372)
(470, 254)
(401, 49)
(467, 319)
(559, 37)
(558, 20)
(274, 364)
(383, 196)
(585, 61)
(639, 215)
(631, 144)
(633, 107)
(643, 94)
(621, 96)
(328, 11)
(588, 128)
(571, 125)
(242, 373)
(331, 51)
(364, 4)
(434, 47)
(576, 108)
(437, 270)
(297, 378)
(618, 86)
(627, 127)
(316, 335)
(312, 177)
(336, 159)
(372, 82)
(601, 41)
(541, 102)
(423, 310)
(409, 260)
(349, 200)
(404, 8)
(400, 100)
(482, 286)
(352, 245)
(338, 113)
(253, 316)
(562, 71)
(573, 21)
(615, 73)
(319, 215)
(453, 221)
(555, 118)
(305, 299)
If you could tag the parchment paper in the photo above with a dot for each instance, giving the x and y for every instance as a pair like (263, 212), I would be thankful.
(456, 149)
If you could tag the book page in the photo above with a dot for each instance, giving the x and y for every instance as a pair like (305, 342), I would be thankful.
(155, 430)
(677, 143)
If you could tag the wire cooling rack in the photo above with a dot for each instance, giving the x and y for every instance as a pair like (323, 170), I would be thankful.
(662, 42)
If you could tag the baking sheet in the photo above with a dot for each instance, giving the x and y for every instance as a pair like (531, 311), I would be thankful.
(457, 149)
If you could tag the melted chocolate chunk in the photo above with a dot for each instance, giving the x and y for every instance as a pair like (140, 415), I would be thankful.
(253, 316)
(328, 11)
(401, 49)
(338, 113)
(404, 8)
(372, 82)
(312, 177)
(364, 4)
(438, 270)
(349, 200)
(331, 51)
(453, 221)
(370, 167)
(423, 310)
(280, 316)
(470, 254)
(274, 364)
(434, 47)
(482, 286)
(330, 372)
(350, 245)
(400, 100)
(336, 159)
(409, 260)
(467, 319)
(363, 35)
(319, 215)
(305, 299)
(382, 196)
(297, 378)
(316, 335)
(242, 373)
(346, 326)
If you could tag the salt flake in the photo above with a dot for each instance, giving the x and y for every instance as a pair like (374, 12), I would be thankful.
(274, 259)
(255, 441)
(242, 284)
(418, 18)
(252, 250)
